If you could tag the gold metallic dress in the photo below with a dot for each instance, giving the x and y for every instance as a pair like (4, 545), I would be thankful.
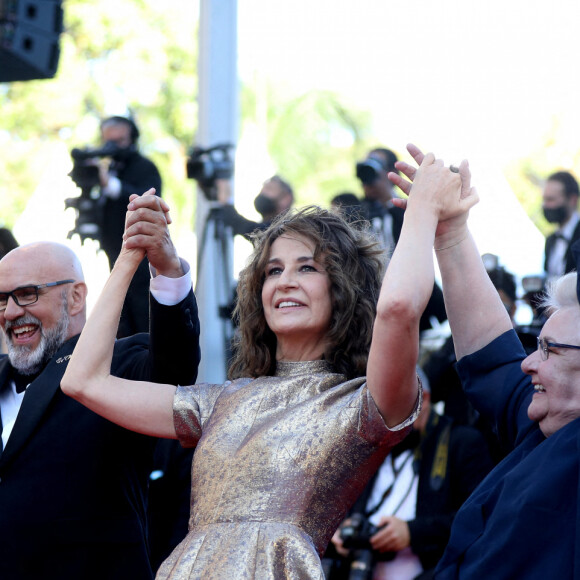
(279, 461)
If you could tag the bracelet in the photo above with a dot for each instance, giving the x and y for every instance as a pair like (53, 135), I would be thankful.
(450, 245)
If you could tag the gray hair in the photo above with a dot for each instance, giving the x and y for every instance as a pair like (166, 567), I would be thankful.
(561, 293)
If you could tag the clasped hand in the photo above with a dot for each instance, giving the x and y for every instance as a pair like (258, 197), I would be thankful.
(146, 233)
(448, 194)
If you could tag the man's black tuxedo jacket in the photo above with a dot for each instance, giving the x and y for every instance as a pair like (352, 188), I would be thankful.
(570, 262)
(73, 485)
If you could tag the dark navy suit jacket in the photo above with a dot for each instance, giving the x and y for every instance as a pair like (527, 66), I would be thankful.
(570, 262)
(522, 520)
(72, 484)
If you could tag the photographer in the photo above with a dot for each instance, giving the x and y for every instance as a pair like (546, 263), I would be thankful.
(213, 169)
(400, 525)
(560, 206)
(385, 218)
(127, 172)
(275, 197)
(122, 171)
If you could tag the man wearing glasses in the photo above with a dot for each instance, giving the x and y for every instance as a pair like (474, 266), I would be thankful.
(72, 485)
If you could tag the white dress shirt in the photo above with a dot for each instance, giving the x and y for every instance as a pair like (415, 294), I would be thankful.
(402, 503)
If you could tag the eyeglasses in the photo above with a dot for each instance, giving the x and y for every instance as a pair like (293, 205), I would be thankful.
(27, 295)
(544, 347)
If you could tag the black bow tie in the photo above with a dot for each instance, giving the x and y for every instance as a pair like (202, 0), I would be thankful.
(22, 381)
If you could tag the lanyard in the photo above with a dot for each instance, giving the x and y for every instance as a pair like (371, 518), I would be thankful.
(388, 491)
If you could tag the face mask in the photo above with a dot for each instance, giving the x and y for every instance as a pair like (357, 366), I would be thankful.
(264, 205)
(555, 215)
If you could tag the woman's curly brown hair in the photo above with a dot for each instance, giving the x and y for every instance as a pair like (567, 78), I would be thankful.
(354, 262)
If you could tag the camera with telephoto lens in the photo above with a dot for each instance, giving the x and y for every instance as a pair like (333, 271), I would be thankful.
(356, 536)
(207, 165)
(357, 532)
(368, 171)
(85, 174)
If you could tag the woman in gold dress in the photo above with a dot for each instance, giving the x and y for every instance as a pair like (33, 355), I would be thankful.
(285, 447)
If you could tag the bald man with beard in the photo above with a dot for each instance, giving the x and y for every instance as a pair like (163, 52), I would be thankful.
(73, 485)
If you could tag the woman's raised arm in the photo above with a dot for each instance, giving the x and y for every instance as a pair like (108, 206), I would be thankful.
(435, 195)
(474, 309)
(137, 405)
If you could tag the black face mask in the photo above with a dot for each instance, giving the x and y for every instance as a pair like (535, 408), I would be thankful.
(555, 215)
(264, 205)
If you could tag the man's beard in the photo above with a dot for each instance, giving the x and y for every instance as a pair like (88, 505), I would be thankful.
(30, 361)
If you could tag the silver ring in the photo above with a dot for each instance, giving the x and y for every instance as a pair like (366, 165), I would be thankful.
(453, 169)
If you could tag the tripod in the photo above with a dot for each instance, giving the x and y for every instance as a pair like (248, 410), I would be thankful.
(215, 263)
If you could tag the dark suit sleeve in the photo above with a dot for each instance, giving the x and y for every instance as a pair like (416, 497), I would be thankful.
(497, 387)
(170, 354)
(174, 332)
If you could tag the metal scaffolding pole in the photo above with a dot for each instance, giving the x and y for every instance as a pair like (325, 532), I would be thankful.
(218, 123)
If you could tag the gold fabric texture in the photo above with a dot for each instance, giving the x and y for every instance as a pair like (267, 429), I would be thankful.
(279, 461)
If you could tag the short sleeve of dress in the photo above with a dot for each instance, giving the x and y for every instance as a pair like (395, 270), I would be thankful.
(191, 408)
(412, 418)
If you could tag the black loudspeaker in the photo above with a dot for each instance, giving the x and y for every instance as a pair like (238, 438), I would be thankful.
(29, 39)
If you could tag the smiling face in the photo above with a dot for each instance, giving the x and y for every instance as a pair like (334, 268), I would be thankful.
(296, 299)
(557, 379)
(35, 332)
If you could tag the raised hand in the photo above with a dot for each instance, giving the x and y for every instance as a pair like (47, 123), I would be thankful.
(418, 156)
(449, 194)
(146, 232)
